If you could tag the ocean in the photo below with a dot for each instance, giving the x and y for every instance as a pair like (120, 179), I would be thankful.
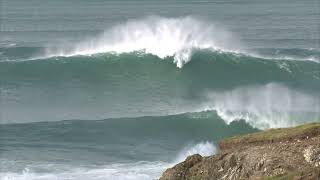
(123, 89)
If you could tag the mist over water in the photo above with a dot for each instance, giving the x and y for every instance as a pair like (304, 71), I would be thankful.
(269, 106)
(203, 148)
(163, 37)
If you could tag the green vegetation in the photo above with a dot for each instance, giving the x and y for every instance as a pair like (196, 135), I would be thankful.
(280, 134)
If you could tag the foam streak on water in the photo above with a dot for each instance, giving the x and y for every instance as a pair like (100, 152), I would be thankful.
(130, 171)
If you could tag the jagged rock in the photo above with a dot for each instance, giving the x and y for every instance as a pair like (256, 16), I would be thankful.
(292, 153)
(179, 171)
(312, 155)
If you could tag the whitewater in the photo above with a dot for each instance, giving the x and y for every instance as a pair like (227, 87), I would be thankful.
(114, 90)
(131, 171)
(178, 38)
(183, 39)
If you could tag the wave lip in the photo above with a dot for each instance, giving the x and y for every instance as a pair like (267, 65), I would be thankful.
(177, 38)
(270, 106)
(163, 37)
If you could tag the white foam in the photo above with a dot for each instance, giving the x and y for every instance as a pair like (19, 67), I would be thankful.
(131, 171)
(142, 170)
(203, 148)
(266, 106)
(163, 37)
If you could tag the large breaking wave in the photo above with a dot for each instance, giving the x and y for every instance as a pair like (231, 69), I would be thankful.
(267, 106)
(178, 38)
(128, 72)
(266, 93)
(163, 37)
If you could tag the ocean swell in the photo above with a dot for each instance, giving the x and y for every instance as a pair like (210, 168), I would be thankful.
(163, 37)
(267, 93)
(127, 72)
(268, 106)
(177, 39)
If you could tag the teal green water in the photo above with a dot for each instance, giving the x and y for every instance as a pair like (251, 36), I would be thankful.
(125, 89)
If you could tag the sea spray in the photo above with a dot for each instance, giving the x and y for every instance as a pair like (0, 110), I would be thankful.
(176, 38)
(105, 86)
(97, 90)
(266, 106)
(203, 148)
(163, 37)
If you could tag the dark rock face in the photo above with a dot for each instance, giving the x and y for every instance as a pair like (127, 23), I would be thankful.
(181, 169)
(296, 157)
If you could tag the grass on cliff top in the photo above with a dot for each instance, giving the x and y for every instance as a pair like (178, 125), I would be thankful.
(277, 134)
(307, 173)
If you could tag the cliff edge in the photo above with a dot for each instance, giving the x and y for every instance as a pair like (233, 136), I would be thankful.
(286, 153)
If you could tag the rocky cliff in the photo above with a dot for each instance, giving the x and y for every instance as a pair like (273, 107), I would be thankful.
(288, 153)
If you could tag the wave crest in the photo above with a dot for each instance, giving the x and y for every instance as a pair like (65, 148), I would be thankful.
(163, 37)
(269, 106)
